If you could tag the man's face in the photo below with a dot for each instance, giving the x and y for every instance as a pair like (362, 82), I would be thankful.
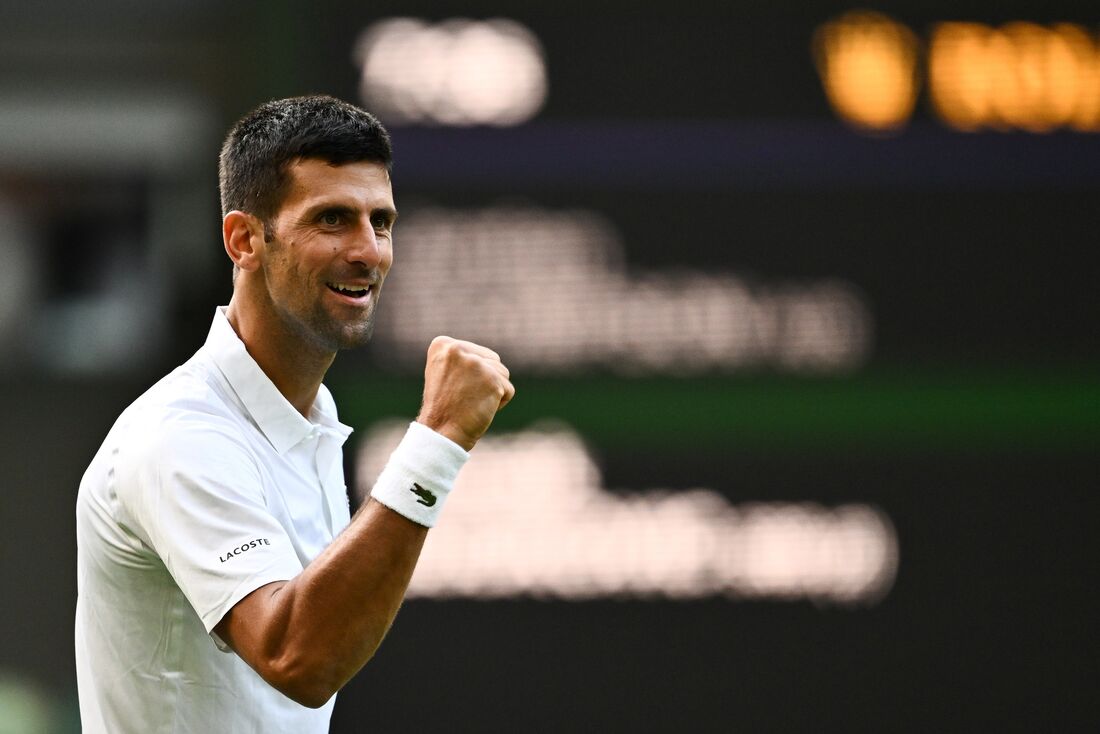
(331, 251)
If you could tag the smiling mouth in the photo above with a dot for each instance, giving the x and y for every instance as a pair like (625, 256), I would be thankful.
(350, 291)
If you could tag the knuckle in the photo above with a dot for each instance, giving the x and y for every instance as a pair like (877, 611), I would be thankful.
(446, 349)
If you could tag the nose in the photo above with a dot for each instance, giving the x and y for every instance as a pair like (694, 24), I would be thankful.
(365, 249)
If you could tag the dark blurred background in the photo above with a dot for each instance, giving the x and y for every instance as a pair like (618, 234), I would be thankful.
(800, 304)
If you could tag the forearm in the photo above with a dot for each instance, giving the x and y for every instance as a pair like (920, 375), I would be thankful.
(308, 636)
(329, 620)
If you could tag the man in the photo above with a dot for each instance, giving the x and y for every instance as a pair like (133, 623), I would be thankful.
(222, 585)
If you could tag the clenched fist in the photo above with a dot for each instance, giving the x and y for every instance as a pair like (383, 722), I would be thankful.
(465, 384)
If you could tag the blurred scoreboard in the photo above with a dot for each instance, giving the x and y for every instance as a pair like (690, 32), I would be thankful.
(807, 406)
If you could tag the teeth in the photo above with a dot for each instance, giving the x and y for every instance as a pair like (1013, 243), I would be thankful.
(349, 288)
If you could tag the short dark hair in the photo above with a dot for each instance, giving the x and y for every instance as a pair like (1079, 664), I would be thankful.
(259, 148)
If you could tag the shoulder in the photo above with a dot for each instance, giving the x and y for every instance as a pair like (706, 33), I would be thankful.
(188, 418)
(191, 397)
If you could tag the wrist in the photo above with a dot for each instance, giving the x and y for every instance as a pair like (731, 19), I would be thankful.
(449, 431)
(420, 474)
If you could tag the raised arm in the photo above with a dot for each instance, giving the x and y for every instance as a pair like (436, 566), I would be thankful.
(308, 636)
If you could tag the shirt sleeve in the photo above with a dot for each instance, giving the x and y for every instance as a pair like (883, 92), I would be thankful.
(194, 490)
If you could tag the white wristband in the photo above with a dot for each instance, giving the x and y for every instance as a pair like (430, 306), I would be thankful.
(420, 474)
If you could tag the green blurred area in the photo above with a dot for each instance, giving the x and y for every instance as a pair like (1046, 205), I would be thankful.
(893, 410)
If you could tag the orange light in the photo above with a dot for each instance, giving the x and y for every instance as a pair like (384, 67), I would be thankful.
(958, 74)
(1082, 65)
(1022, 75)
(868, 65)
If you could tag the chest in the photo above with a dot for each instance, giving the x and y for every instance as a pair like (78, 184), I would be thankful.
(305, 491)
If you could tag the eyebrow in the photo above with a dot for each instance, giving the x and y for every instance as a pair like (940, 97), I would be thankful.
(390, 213)
(347, 210)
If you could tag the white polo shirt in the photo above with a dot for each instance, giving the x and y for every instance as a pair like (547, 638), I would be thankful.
(208, 486)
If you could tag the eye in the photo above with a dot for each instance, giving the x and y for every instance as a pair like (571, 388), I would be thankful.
(331, 218)
(380, 221)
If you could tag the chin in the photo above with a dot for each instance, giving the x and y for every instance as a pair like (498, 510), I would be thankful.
(332, 332)
(358, 335)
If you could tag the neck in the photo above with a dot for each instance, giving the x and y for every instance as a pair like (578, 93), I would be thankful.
(295, 368)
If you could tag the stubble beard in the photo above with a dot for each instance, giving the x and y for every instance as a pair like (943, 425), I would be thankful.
(330, 334)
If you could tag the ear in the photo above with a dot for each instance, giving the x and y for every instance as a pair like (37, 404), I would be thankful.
(243, 236)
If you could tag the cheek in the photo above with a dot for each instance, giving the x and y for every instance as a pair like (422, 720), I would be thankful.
(294, 273)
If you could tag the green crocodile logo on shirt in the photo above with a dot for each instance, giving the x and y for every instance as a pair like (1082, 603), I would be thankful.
(426, 497)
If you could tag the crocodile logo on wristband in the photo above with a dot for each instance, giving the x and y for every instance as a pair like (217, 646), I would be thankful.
(427, 498)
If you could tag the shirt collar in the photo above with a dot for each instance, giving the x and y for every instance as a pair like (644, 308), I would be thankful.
(283, 426)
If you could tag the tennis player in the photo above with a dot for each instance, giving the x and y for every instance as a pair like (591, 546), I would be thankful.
(222, 585)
